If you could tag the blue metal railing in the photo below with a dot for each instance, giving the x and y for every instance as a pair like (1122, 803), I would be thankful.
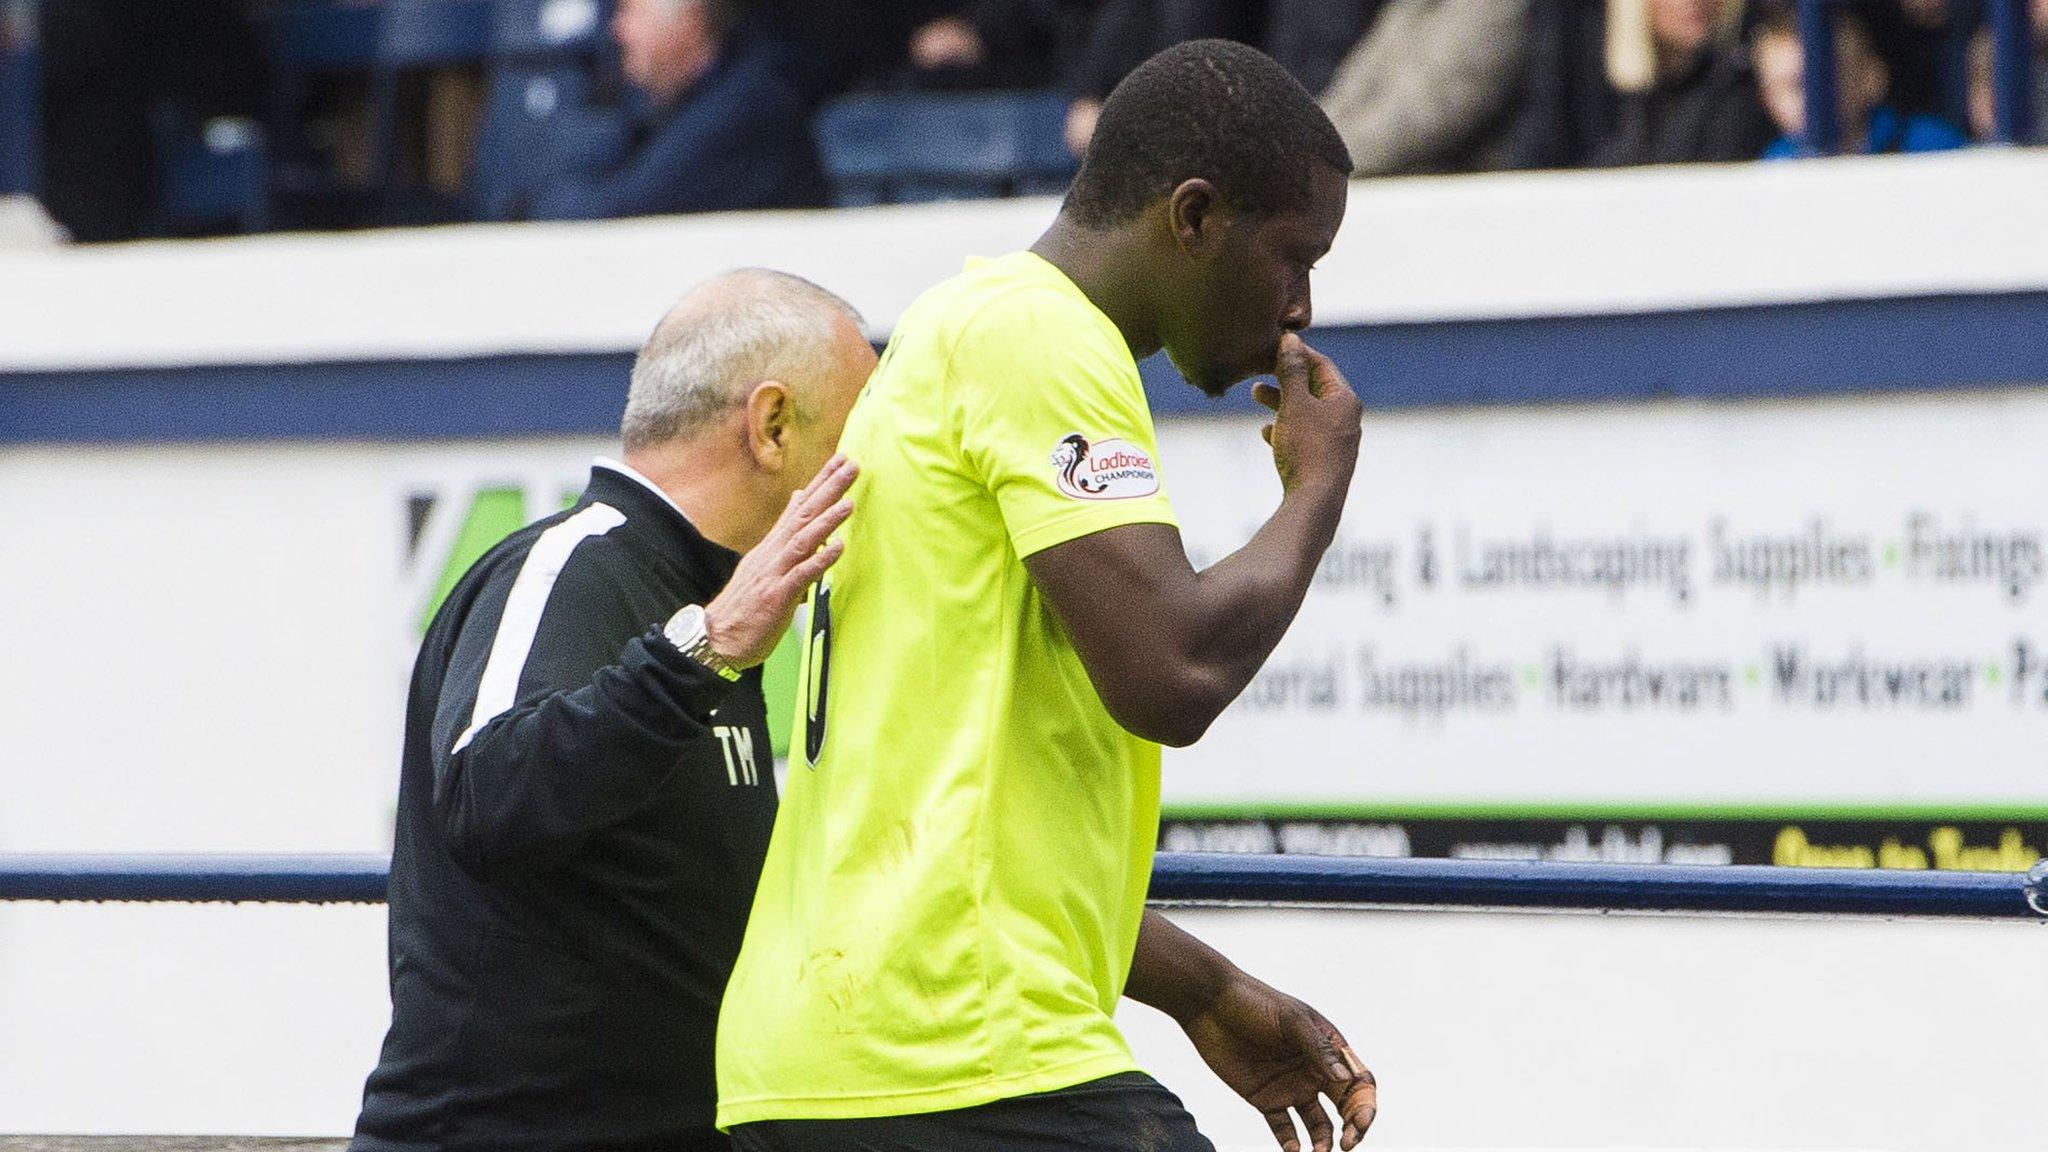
(1822, 127)
(1177, 878)
(2012, 72)
(147, 878)
(1202, 877)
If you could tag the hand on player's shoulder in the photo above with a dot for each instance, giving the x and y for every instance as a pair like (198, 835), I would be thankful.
(746, 621)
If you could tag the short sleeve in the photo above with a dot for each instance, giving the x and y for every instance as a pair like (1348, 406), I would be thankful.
(1051, 419)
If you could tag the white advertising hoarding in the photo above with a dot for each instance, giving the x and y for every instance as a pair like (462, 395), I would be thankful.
(1620, 614)
(1787, 602)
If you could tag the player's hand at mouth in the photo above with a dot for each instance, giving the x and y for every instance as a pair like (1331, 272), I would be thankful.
(1315, 428)
(748, 618)
(1284, 1058)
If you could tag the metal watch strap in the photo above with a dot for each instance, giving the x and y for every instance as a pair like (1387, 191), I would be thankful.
(687, 631)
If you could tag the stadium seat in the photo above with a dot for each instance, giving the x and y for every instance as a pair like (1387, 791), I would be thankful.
(314, 39)
(532, 29)
(888, 147)
(546, 67)
(210, 177)
(534, 110)
(18, 110)
(415, 34)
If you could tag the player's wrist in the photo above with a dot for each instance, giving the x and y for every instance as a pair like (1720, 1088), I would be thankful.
(1319, 493)
(1324, 470)
(690, 630)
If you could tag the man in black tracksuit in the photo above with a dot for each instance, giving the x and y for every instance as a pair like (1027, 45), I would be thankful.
(587, 787)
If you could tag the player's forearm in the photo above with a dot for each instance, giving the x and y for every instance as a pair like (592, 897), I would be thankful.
(1251, 596)
(1174, 972)
(1247, 601)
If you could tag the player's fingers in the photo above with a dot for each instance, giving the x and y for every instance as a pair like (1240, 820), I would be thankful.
(806, 574)
(808, 536)
(1291, 367)
(1267, 394)
(1282, 1125)
(1360, 1106)
(1320, 372)
(1317, 1122)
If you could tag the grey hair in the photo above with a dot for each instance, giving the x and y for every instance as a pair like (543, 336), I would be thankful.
(730, 333)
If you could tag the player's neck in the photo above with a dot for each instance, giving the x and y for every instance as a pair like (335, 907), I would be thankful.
(715, 496)
(1106, 265)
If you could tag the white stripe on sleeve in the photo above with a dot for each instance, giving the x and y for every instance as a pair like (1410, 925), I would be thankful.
(520, 622)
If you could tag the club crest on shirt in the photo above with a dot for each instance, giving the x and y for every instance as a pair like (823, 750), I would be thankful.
(1112, 469)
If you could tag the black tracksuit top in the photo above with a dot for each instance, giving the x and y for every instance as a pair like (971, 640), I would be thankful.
(582, 816)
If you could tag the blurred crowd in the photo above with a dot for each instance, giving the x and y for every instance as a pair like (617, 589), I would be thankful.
(1437, 86)
(710, 104)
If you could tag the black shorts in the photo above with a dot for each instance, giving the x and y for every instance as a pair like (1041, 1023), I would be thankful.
(1128, 1112)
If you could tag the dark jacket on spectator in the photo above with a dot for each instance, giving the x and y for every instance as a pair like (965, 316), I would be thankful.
(1706, 112)
(1565, 106)
(740, 137)
(1307, 37)
(847, 43)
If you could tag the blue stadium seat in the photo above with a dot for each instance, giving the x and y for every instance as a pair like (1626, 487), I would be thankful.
(534, 111)
(536, 29)
(210, 176)
(312, 39)
(890, 147)
(20, 133)
(415, 34)
(546, 58)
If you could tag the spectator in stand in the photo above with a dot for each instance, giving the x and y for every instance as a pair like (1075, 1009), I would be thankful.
(727, 124)
(1924, 43)
(1307, 37)
(846, 44)
(1428, 87)
(1635, 82)
(1684, 91)
(1869, 125)
(1983, 98)
(1002, 44)
(1311, 38)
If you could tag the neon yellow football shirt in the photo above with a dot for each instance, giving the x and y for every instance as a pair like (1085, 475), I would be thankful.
(953, 890)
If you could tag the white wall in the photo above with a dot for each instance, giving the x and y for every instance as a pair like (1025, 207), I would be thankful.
(1485, 1030)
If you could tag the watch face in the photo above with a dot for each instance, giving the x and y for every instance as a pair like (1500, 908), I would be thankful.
(686, 631)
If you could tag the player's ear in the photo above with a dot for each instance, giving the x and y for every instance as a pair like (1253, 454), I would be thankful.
(1190, 213)
(771, 410)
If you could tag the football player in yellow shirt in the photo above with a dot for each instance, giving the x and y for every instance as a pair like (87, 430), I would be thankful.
(953, 900)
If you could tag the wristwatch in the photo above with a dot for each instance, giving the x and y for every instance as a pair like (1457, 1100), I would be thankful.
(686, 630)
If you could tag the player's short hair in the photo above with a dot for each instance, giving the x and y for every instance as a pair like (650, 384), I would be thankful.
(1213, 109)
(729, 334)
